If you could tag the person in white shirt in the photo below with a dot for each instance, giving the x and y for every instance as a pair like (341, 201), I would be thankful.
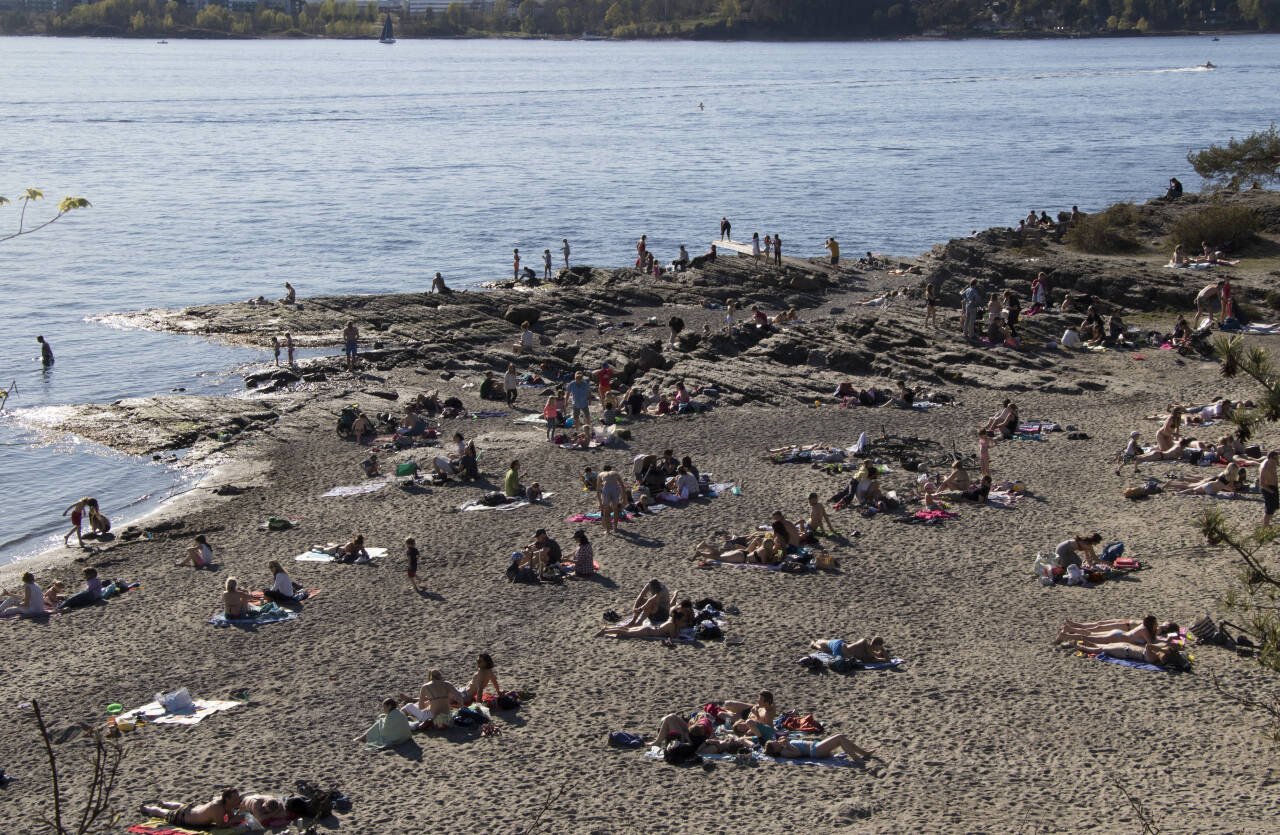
(282, 587)
(198, 555)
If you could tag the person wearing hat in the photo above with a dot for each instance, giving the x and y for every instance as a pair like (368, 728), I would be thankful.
(542, 553)
(584, 559)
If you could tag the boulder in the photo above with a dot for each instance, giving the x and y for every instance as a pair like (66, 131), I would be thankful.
(806, 283)
(517, 314)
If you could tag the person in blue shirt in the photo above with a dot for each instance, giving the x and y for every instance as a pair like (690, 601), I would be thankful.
(580, 394)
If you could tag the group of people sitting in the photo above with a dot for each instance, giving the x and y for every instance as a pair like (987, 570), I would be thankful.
(1146, 640)
(731, 727)
(36, 602)
(236, 601)
(1093, 331)
(433, 708)
(543, 556)
(904, 396)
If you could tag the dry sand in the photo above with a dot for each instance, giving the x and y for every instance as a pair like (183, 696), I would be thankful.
(986, 727)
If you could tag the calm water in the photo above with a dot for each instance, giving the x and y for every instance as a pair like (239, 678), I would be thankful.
(220, 170)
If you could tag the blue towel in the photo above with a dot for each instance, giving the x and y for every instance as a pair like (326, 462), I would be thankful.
(1137, 665)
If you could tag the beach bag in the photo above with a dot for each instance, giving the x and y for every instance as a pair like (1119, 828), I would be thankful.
(710, 631)
(407, 469)
(509, 700)
(826, 562)
(1075, 576)
(493, 499)
(1111, 551)
(179, 701)
(622, 739)
(278, 523)
(790, 565)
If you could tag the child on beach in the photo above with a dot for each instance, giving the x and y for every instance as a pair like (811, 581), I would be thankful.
(77, 511)
(818, 522)
(984, 451)
(288, 344)
(411, 554)
(275, 349)
(198, 555)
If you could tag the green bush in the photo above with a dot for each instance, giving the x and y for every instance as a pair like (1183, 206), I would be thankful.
(1216, 226)
(1107, 231)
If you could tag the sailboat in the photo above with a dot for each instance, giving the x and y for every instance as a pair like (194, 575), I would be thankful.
(388, 36)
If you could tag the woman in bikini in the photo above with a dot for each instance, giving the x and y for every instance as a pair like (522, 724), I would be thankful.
(816, 750)
(957, 480)
(484, 677)
(681, 617)
(866, 650)
(235, 602)
(1126, 632)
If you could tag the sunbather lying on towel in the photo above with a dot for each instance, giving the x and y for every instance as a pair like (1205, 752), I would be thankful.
(759, 550)
(353, 551)
(681, 617)
(1146, 631)
(223, 810)
(1162, 655)
(805, 749)
(763, 710)
(434, 701)
(1177, 452)
(867, 650)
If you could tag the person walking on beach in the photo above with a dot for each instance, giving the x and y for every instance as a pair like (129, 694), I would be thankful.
(411, 554)
(777, 250)
(564, 249)
(546, 265)
(834, 248)
(350, 336)
(515, 266)
(275, 348)
(725, 228)
(288, 344)
(46, 353)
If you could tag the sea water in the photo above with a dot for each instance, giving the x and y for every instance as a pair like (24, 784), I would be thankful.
(220, 170)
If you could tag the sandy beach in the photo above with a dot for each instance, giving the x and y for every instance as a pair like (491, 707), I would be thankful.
(986, 727)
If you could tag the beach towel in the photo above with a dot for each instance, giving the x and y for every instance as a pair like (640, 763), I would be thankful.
(157, 826)
(1003, 498)
(1258, 327)
(269, 613)
(1196, 265)
(533, 418)
(477, 504)
(714, 563)
(935, 515)
(356, 489)
(837, 761)
(1035, 427)
(388, 730)
(719, 487)
(578, 518)
(826, 659)
(154, 714)
(922, 405)
(1125, 662)
(317, 556)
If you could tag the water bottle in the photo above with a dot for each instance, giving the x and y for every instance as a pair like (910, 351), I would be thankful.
(737, 491)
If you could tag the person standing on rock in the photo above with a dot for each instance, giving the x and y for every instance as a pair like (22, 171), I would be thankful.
(288, 344)
(46, 353)
(642, 249)
(1267, 485)
(725, 228)
(350, 336)
(275, 349)
(755, 246)
(833, 247)
(515, 268)
(546, 265)
(777, 250)
(969, 309)
(564, 248)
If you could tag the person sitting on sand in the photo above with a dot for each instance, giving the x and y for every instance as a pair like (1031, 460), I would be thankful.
(412, 425)
(634, 400)
(905, 396)
(483, 677)
(91, 593)
(31, 604)
(864, 650)
(221, 811)
(541, 554)
(680, 487)
(867, 481)
(680, 618)
(448, 464)
(1146, 631)
(789, 531)
(388, 730)
(434, 701)
(819, 521)
(583, 559)
(511, 487)
(235, 601)
(428, 403)
(808, 749)
(526, 341)
(1000, 418)
(978, 493)
(1078, 550)
(763, 710)
(958, 479)
(370, 466)
(1161, 655)
(199, 555)
(290, 294)
(653, 603)
(282, 587)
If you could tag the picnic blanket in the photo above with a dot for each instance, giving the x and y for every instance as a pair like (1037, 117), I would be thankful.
(156, 826)
(357, 489)
(1035, 427)
(154, 714)
(269, 613)
(477, 504)
(1003, 498)
(318, 556)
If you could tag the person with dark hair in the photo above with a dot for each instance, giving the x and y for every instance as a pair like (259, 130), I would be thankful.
(484, 677)
(653, 602)
(725, 228)
(1146, 631)
(808, 749)
(1070, 551)
(91, 593)
(1175, 189)
(680, 618)
(46, 353)
(221, 811)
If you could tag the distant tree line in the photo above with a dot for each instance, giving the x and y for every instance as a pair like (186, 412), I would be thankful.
(754, 19)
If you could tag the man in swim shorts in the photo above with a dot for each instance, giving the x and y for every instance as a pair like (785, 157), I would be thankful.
(1267, 484)
(221, 811)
